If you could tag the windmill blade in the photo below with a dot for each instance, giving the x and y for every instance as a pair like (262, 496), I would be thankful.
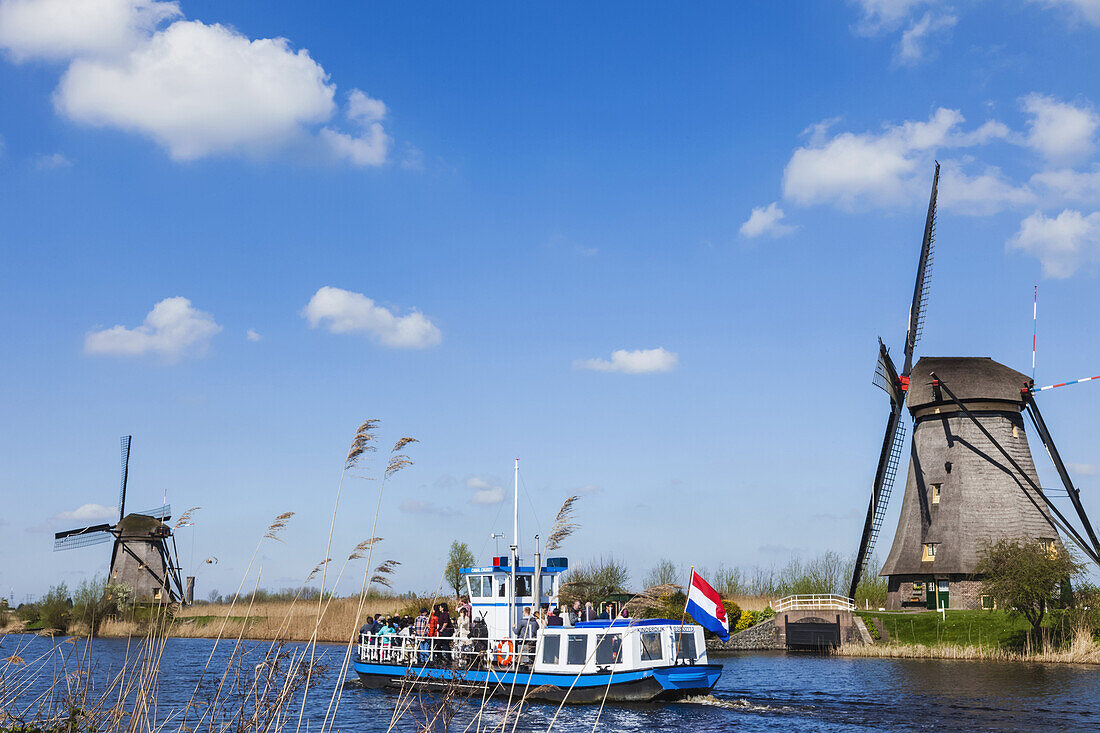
(82, 530)
(81, 540)
(125, 440)
(888, 461)
(886, 375)
(923, 285)
(81, 537)
(163, 513)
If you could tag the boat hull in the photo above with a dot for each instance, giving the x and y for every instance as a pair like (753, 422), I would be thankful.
(645, 685)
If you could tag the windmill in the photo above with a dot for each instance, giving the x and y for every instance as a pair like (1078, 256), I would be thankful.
(144, 557)
(971, 476)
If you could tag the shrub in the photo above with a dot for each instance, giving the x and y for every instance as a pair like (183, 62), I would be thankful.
(747, 620)
(733, 612)
(55, 608)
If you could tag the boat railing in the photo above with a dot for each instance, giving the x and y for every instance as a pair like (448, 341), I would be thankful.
(410, 650)
(824, 601)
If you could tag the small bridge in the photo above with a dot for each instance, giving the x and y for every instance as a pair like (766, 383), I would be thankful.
(815, 622)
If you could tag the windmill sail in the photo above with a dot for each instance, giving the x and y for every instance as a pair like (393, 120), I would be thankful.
(889, 458)
(895, 385)
(125, 440)
(82, 537)
(923, 285)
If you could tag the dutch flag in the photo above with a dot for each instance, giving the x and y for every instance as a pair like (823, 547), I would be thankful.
(705, 606)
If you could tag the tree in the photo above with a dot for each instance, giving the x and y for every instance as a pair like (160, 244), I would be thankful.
(1026, 578)
(459, 557)
(664, 573)
(595, 582)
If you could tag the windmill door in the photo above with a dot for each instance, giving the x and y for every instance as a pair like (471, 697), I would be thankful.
(942, 594)
(930, 594)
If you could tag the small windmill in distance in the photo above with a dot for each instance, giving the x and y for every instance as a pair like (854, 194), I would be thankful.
(144, 557)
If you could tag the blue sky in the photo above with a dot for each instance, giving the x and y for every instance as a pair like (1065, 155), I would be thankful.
(647, 248)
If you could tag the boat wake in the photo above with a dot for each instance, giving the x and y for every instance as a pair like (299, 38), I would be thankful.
(738, 704)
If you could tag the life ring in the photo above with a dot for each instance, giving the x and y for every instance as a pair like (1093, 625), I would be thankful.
(505, 659)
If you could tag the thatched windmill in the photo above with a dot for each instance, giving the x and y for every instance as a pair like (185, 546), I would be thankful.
(144, 557)
(971, 476)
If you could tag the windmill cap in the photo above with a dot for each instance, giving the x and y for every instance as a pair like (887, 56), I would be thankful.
(970, 378)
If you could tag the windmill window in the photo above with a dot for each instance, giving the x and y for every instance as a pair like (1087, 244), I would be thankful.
(988, 604)
(935, 493)
(1015, 432)
(929, 552)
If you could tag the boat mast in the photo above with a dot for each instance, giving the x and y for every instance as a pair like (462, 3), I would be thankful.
(512, 619)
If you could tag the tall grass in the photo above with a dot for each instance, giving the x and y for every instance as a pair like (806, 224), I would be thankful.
(1081, 649)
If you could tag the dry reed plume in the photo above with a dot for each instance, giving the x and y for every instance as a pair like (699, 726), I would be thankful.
(563, 525)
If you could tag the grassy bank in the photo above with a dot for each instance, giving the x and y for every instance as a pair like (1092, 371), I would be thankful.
(988, 635)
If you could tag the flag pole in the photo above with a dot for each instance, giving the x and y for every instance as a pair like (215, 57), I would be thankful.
(683, 615)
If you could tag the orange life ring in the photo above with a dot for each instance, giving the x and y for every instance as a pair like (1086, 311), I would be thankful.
(505, 659)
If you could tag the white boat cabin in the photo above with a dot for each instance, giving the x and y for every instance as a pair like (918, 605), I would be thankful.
(491, 593)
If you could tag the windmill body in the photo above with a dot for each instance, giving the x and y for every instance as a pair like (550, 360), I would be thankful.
(961, 491)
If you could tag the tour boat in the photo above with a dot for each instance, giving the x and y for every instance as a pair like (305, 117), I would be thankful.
(619, 659)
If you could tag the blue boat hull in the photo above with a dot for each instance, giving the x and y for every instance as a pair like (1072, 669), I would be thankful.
(661, 683)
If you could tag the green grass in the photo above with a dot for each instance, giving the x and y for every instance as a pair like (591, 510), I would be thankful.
(988, 628)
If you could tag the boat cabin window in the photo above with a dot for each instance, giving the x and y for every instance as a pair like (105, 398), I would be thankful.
(609, 649)
(685, 645)
(651, 646)
(523, 585)
(502, 591)
(551, 648)
(481, 586)
(577, 652)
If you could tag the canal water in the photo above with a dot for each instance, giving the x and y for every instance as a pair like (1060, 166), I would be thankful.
(758, 691)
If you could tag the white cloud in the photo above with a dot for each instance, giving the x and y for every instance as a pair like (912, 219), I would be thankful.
(252, 335)
(586, 489)
(1085, 469)
(882, 169)
(62, 29)
(51, 162)
(485, 491)
(173, 329)
(1058, 130)
(89, 513)
(1087, 9)
(199, 89)
(766, 220)
(416, 506)
(983, 194)
(1070, 184)
(641, 361)
(1062, 244)
(343, 311)
(370, 146)
(911, 48)
(881, 16)
(196, 89)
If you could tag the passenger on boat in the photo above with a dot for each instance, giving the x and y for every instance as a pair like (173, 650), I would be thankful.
(440, 629)
(554, 618)
(574, 613)
(479, 633)
(386, 633)
(463, 628)
(420, 630)
(527, 630)
(589, 611)
(605, 613)
(464, 603)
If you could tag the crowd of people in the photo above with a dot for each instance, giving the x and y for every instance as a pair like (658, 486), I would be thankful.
(439, 637)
